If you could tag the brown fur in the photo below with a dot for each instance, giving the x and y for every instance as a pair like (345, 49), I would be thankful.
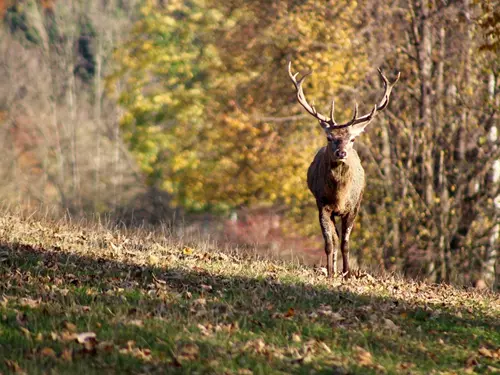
(338, 187)
(336, 177)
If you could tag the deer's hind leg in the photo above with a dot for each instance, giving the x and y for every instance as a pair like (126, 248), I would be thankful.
(330, 235)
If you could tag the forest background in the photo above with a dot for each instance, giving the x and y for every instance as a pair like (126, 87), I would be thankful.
(181, 113)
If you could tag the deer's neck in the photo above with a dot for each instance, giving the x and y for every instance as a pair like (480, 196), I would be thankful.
(338, 171)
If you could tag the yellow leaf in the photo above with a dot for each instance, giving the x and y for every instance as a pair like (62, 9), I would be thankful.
(187, 250)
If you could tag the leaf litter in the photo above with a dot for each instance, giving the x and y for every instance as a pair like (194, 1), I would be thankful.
(73, 293)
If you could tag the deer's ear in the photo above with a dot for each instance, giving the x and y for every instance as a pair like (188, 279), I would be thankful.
(357, 129)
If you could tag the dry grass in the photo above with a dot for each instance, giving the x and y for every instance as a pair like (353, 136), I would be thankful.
(81, 298)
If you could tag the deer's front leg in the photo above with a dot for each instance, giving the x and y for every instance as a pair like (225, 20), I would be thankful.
(331, 240)
(347, 224)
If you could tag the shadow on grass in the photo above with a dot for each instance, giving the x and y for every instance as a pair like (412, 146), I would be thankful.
(264, 325)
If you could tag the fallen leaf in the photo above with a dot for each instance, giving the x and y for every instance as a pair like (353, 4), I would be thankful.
(143, 354)
(200, 301)
(188, 352)
(28, 302)
(105, 346)
(25, 332)
(67, 355)
(136, 322)
(303, 359)
(48, 352)
(153, 259)
(257, 345)
(130, 344)
(471, 361)
(406, 365)
(323, 271)
(206, 288)
(290, 313)
(363, 357)
(14, 367)
(4, 301)
(21, 318)
(66, 336)
(325, 347)
(336, 317)
(325, 310)
(84, 337)
(187, 250)
(296, 338)
(470, 364)
(485, 352)
(70, 326)
(204, 330)
(64, 292)
(390, 325)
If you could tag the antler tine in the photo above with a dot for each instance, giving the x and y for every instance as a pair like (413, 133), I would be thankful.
(332, 110)
(388, 88)
(355, 111)
(349, 123)
(300, 94)
(377, 107)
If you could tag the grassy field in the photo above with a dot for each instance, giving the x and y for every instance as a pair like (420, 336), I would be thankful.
(84, 300)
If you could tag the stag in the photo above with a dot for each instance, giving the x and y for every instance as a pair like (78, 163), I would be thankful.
(336, 177)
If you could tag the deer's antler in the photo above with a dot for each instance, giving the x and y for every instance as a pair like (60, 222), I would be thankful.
(300, 94)
(330, 122)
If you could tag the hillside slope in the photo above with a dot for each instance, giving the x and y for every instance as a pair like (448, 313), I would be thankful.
(84, 299)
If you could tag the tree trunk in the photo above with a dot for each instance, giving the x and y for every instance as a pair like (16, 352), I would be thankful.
(442, 209)
(488, 273)
(465, 189)
(392, 247)
(423, 40)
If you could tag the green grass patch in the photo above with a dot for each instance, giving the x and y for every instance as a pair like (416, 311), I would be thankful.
(109, 302)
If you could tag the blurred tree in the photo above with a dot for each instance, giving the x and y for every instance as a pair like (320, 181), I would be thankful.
(489, 21)
(211, 117)
(208, 100)
(60, 140)
(439, 126)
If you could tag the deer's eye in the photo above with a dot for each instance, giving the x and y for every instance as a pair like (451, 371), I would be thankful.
(352, 140)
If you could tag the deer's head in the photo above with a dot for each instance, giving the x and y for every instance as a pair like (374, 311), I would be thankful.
(341, 137)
